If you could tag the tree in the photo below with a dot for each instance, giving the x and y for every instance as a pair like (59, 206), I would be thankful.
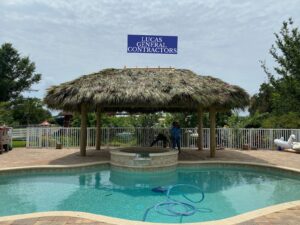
(288, 120)
(261, 102)
(106, 121)
(5, 114)
(29, 111)
(286, 80)
(145, 120)
(191, 120)
(17, 73)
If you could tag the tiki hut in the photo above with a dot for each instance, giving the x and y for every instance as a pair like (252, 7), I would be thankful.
(143, 90)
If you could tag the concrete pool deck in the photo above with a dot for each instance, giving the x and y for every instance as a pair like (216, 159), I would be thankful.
(290, 214)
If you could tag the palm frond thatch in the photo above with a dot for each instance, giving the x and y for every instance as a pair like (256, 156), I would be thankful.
(146, 90)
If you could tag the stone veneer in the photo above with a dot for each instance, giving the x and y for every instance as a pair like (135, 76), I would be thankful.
(156, 158)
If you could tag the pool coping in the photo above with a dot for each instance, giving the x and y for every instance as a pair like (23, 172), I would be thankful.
(263, 165)
(119, 152)
(42, 167)
(112, 220)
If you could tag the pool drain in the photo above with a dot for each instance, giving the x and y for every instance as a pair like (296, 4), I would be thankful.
(176, 208)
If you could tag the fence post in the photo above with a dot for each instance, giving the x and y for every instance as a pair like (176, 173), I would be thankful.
(250, 138)
(107, 137)
(271, 139)
(40, 137)
(27, 137)
(67, 139)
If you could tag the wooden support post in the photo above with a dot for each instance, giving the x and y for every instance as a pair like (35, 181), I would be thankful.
(212, 116)
(98, 129)
(83, 130)
(200, 129)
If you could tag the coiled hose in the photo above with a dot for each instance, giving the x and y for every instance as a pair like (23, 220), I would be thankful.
(167, 208)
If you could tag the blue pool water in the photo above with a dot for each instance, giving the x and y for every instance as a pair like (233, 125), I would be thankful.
(227, 192)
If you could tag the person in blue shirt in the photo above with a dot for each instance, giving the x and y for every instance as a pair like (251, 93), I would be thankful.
(175, 135)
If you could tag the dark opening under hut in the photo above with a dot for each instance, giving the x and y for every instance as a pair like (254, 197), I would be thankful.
(145, 90)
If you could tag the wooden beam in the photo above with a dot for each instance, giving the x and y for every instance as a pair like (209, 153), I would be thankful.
(212, 116)
(83, 130)
(98, 129)
(200, 129)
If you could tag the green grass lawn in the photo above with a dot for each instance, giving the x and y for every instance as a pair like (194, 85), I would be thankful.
(18, 144)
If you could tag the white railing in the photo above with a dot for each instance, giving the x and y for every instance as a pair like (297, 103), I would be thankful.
(19, 133)
(40, 137)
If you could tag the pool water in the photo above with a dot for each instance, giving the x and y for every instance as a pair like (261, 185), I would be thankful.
(228, 191)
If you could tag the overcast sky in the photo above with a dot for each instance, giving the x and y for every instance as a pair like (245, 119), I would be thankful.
(66, 39)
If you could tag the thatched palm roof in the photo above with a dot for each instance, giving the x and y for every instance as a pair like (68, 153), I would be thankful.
(146, 90)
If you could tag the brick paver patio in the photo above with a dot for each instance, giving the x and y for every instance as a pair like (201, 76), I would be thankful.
(53, 220)
(31, 157)
(289, 216)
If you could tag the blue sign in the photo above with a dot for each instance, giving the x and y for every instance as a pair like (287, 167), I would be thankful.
(152, 44)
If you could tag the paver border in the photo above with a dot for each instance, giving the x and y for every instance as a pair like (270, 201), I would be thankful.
(112, 220)
(46, 167)
(250, 164)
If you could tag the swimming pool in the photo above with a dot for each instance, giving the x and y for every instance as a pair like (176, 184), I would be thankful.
(227, 191)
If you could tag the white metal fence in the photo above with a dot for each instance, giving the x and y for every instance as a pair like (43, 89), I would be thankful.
(40, 137)
(19, 134)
